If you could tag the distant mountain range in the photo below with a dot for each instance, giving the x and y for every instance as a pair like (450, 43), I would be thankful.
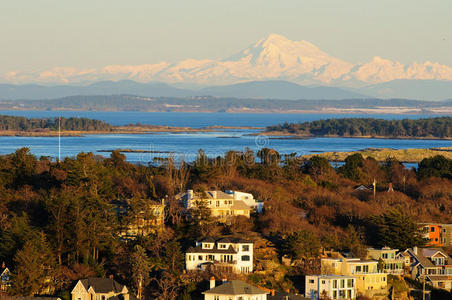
(229, 104)
(256, 89)
(272, 58)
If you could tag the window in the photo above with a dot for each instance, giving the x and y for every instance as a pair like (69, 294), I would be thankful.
(323, 281)
(245, 248)
(358, 269)
(350, 283)
(384, 255)
(366, 268)
(432, 229)
(311, 280)
(216, 297)
(334, 294)
(334, 284)
(245, 258)
(342, 283)
(199, 257)
(103, 297)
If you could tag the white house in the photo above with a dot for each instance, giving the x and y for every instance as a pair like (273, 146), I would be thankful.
(221, 204)
(332, 286)
(100, 289)
(233, 255)
(234, 290)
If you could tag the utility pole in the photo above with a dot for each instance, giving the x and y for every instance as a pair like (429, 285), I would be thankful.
(59, 139)
(375, 188)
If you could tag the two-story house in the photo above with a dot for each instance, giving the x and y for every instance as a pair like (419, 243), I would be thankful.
(437, 234)
(369, 280)
(233, 255)
(432, 265)
(391, 262)
(330, 286)
(142, 222)
(221, 204)
(234, 290)
(100, 289)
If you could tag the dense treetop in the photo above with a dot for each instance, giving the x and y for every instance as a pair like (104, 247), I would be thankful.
(440, 127)
(73, 124)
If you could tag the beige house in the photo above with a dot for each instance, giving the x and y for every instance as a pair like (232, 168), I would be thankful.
(234, 290)
(392, 263)
(144, 222)
(369, 281)
(221, 204)
(332, 286)
(100, 289)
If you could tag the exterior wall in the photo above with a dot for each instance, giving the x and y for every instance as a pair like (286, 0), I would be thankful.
(235, 297)
(335, 287)
(221, 207)
(438, 234)
(366, 273)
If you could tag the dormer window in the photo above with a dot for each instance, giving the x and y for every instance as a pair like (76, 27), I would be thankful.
(207, 245)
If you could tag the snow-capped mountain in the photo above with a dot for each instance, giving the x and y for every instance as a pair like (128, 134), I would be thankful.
(274, 57)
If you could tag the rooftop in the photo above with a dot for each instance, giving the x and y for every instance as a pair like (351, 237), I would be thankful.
(236, 287)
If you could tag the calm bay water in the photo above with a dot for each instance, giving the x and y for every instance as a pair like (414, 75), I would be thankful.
(186, 145)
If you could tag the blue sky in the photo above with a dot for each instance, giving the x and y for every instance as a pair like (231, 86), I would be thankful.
(39, 34)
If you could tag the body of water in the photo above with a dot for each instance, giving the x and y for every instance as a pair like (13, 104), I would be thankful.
(186, 145)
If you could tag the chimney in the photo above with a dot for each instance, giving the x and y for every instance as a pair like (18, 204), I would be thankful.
(415, 250)
(212, 282)
(390, 189)
(224, 279)
(3, 265)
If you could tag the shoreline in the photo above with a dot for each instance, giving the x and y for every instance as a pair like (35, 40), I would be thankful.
(414, 155)
(127, 129)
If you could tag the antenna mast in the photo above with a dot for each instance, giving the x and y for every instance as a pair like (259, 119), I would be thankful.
(59, 139)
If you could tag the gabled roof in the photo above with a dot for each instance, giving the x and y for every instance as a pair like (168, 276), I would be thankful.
(236, 287)
(102, 285)
(239, 204)
(234, 240)
(423, 255)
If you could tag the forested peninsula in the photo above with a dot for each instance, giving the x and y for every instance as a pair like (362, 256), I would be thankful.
(439, 127)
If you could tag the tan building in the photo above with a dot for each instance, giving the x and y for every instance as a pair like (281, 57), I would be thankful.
(221, 204)
(369, 281)
(392, 263)
(100, 289)
(144, 222)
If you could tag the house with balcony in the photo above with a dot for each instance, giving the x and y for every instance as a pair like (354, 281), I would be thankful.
(391, 262)
(221, 204)
(100, 289)
(230, 255)
(369, 280)
(234, 290)
(430, 264)
(437, 234)
(331, 286)
(142, 222)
